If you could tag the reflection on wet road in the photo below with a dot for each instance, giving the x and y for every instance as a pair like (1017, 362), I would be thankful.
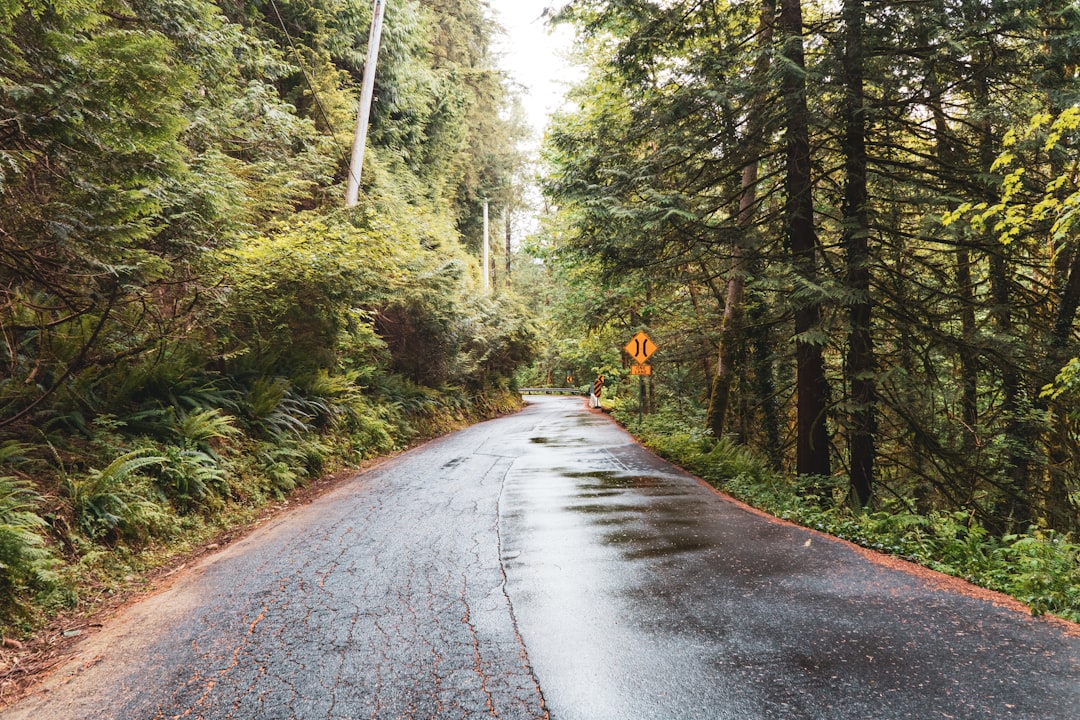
(544, 566)
(640, 593)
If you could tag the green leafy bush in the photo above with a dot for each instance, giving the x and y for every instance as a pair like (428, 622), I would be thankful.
(273, 409)
(192, 478)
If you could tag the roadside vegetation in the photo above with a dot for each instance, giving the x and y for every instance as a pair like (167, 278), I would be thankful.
(191, 326)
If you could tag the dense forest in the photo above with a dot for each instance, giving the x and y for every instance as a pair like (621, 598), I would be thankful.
(191, 324)
(850, 228)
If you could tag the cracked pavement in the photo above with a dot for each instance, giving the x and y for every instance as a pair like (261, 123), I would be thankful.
(544, 566)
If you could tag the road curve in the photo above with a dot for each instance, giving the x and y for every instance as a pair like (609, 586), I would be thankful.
(543, 565)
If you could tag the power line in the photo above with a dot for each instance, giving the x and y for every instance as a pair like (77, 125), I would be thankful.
(307, 77)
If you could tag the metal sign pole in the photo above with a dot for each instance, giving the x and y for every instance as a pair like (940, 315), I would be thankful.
(641, 402)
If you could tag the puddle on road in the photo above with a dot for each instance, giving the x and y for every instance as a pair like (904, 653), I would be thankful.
(649, 548)
(600, 493)
(597, 509)
(641, 515)
(611, 479)
(564, 442)
(615, 521)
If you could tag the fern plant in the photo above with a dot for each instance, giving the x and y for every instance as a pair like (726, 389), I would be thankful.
(116, 501)
(200, 429)
(280, 467)
(277, 411)
(26, 563)
(192, 474)
(192, 478)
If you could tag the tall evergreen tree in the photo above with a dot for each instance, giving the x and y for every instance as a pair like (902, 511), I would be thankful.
(812, 451)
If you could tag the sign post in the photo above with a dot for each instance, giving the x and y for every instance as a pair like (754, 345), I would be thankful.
(597, 388)
(641, 347)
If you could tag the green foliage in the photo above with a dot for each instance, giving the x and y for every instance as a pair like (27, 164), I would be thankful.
(201, 428)
(192, 478)
(934, 335)
(498, 336)
(1018, 209)
(274, 410)
(26, 563)
(718, 461)
(279, 466)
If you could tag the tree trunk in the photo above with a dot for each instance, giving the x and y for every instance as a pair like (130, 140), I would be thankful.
(1060, 509)
(965, 291)
(860, 356)
(731, 329)
(969, 370)
(1017, 507)
(1068, 304)
(695, 302)
(765, 380)
(730, 338)
(812, 441)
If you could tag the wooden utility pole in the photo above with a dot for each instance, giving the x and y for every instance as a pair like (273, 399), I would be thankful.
(487, 251)
(506, 213)
(363, 112)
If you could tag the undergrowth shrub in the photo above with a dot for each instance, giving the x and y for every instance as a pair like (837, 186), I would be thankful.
(123, 489)
(192, 474)
(273, 410)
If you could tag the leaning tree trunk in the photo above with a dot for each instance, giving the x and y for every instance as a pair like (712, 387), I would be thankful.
(1015, 508)
(732, 328)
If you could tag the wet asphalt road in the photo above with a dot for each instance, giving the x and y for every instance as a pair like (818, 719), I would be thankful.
(542, 565)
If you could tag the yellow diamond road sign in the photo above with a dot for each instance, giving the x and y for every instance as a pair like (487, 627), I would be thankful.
(640, 348)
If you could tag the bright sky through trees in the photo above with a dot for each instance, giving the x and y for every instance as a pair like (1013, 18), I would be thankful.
(533, 54)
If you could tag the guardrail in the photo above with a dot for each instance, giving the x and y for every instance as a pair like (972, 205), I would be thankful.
(550, 391)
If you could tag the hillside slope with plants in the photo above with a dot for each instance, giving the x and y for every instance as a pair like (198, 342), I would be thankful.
(190, 324)
(850, 229)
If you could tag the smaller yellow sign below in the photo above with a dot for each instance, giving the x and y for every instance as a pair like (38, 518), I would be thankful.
(641, 369)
